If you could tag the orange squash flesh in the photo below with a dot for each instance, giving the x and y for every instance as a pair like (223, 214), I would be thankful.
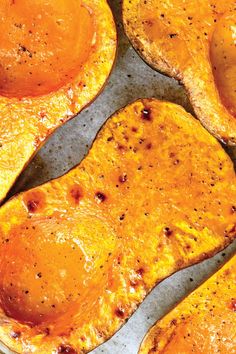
(55, 57)
(194, 42)
(155, 194)
(204, 322)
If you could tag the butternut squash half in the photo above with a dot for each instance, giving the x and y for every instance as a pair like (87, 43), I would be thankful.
(55, 57)
(205, 322)
(194, 42)
(155, 194)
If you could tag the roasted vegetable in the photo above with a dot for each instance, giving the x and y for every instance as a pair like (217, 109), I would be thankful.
(194, 42)
(55, 58)
(155, 194)
(205, 322)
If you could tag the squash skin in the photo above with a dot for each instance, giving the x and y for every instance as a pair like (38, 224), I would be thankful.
(204, 322)
(175, 40)
(27, 122)
(128, 249)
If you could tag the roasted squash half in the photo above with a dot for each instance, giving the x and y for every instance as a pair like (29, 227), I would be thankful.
(155, 194)
(194, 42)
(205, 322)
(55, 57)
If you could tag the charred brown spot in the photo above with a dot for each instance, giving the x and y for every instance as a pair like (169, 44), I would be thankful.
(43, 114)
(123, 178)
(47, 331)
(76, 194)
(146, 114)
(119, 312)
(66, 349)
(32, 205)
(233, 209)
(121, 147)
(173, 322)
(149, 146)
(34, 200)
(168, 232)
(176, 162)
(100, 197)
(134, 129)
(149, 23)
(15, 334)
(140, 271)
(119, 258)
(233, 305)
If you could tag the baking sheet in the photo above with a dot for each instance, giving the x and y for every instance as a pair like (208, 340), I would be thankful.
(131, 79)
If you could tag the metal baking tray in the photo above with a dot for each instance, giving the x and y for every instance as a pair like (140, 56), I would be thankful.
(131, 79)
